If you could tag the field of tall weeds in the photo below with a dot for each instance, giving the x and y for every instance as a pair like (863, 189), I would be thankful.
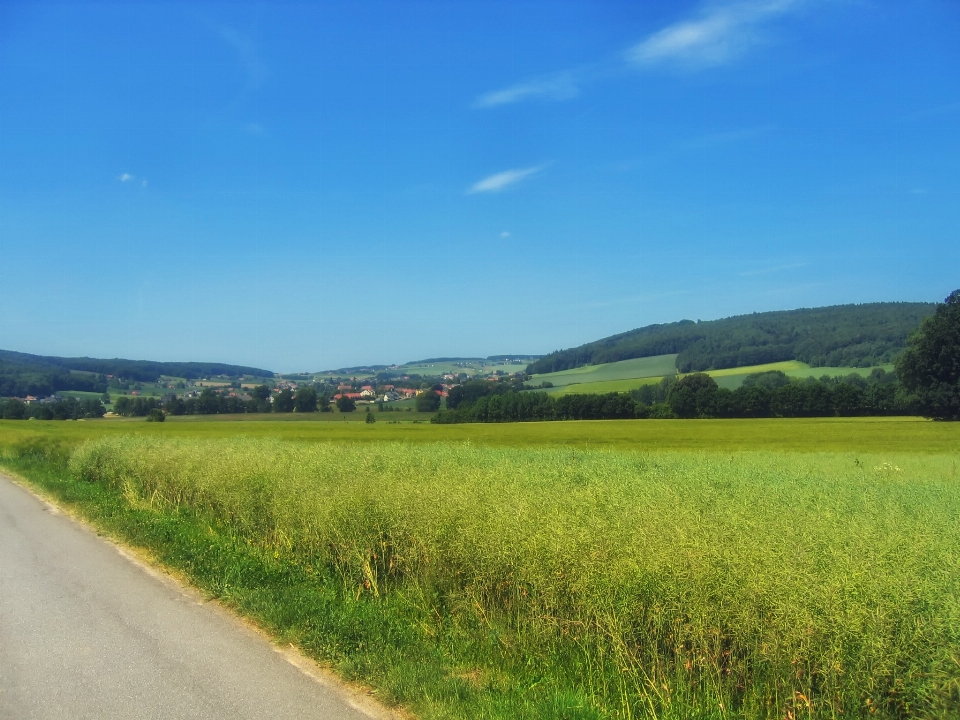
(669, 585)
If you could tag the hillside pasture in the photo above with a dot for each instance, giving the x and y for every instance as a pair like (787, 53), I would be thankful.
(732, 378)
(628, 375)
(638, 368)
(599, 388)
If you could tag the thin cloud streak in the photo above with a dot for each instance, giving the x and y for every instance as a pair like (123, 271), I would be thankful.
(501, 180)
(717, 36)
(562, 86)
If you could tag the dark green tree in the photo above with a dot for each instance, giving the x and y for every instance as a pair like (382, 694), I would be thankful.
(370, 417)
(283, 401)
(260, 392)
(305, 401)
(13, 410)
(930, 366)
(208, 403)
(176, 406)
(692, 396)
(156, 415)
(428, 401)
(346, 404)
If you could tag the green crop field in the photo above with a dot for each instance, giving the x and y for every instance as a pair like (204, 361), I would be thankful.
(605, 386)
(732, 378)
(628, 375)
(656, 366)
(796, 435)
(817, 372)
(770, 568)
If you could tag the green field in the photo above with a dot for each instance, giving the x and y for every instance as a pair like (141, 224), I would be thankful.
(647, 367)
(763, 568)
(795, 435)
(732, 378)
(627, 375)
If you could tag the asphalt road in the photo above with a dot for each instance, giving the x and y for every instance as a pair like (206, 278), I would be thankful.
(87, 632)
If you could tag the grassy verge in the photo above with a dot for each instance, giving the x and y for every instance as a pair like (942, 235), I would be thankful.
(495, 582)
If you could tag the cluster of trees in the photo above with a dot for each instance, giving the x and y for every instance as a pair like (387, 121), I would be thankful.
(68, 408)
(930, 366)
(694, 396)
(775, 395)
(135, 406)
(838, 336)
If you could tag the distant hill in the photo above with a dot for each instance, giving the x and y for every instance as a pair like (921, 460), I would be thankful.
(25, 374)
(489, 358)
(429, 361)
(836, 336)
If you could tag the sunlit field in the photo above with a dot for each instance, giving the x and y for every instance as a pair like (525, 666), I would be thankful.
(624, 569)
(868, 434)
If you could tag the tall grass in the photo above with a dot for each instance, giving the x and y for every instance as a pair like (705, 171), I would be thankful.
(673, 585)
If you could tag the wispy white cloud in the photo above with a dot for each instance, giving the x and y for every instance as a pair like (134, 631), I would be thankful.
(562, 86)
(125, 177)
(501, 180)
(720, 34)
(504, 235)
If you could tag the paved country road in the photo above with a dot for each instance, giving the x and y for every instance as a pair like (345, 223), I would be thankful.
(88, 633)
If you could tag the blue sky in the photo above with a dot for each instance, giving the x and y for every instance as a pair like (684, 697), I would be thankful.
(308, 186)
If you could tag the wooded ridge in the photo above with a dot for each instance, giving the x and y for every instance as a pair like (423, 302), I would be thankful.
(836, 336)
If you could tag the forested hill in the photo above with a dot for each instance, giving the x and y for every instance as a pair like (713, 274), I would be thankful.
(838, 336)
(24, 374)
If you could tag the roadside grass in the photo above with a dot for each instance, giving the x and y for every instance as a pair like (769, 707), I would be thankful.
(389, 644)
(674, 585)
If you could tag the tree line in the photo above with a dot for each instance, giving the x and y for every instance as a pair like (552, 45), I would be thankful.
(211, 402)
(68, 408)
(770, 394)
